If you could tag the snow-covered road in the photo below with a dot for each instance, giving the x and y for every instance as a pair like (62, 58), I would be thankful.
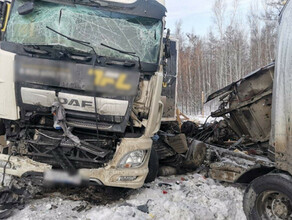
(188, 196)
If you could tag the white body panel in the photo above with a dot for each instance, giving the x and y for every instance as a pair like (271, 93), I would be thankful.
(38, 97)
(46, 98)
(104, 106)
(8, 108)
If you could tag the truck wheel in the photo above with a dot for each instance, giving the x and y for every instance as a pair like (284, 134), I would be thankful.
(153, 166)
(269, 197)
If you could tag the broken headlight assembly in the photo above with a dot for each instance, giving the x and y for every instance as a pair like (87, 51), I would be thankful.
(133, 159)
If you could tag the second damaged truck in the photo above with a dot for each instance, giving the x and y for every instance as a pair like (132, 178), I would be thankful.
(81, 86)
(252, 141)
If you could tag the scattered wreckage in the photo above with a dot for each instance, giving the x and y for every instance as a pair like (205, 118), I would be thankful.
(234, 148)
(252, 142)
(78, 108)
(56, 120)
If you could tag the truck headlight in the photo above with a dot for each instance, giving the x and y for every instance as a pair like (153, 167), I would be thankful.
(133, 160)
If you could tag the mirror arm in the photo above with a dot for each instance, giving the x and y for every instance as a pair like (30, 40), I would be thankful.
(4, 15)
(167, 45)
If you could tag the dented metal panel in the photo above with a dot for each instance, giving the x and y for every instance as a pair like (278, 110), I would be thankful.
(229, 166)
(248, 103)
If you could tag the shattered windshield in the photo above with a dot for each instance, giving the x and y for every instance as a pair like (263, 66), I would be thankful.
(125, 32)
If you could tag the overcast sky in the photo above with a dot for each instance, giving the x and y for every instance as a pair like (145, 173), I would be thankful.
(197, 15)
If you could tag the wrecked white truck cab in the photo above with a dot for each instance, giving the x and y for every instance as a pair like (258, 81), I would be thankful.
(81, 88)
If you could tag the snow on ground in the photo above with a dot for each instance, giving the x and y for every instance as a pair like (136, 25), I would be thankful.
(188, 196)
(198, 119)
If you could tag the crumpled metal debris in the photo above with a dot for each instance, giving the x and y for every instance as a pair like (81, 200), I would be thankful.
(143, 208)
(11, 199)
(60, 118)
(230, 166)
(83, 207)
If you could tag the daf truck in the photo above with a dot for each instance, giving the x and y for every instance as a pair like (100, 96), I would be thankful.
(81, 84)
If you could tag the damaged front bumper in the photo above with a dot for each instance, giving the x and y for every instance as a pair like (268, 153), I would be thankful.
(109, 175)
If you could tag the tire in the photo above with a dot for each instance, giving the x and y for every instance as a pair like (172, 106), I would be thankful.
(269, 197)
(196, 155)
(153, 166)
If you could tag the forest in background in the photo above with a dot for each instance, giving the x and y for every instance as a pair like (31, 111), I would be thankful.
(235, 46)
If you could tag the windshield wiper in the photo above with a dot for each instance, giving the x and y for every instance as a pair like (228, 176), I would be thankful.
(133, 54)
(34, 50)
(72, 53)
(86, 44)
(57, 52)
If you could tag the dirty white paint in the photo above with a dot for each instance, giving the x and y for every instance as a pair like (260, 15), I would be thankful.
(74, 102)
(8, 107)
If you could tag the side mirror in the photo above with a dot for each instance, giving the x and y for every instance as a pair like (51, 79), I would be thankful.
(3, 12)
(167, 45)
(26, 8)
